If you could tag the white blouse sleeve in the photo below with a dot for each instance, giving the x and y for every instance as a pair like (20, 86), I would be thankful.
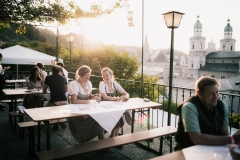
(102, 87)
(89, 85)
(73, 88)
(119, 87)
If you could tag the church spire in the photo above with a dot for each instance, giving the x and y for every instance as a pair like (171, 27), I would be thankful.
(197, 29)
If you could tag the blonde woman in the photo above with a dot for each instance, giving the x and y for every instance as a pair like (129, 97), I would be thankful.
(83, 128)
(109, 90)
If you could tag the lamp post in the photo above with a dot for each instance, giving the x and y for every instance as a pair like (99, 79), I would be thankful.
(172, 20)
(70, 39)
(142, 47)
(57, 40)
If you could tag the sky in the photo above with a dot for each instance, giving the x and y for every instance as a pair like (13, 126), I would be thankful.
(114, 29)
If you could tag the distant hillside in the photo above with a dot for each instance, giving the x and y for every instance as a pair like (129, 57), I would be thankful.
(8, 35)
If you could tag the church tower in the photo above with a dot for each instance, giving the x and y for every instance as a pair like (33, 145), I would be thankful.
(197, 54)
(227, 44)
(146, 50)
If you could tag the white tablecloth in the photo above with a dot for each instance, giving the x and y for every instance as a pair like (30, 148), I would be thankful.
(107, 113)
(202, 152)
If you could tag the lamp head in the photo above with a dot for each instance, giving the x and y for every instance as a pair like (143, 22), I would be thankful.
(173, 19)
(70, 37)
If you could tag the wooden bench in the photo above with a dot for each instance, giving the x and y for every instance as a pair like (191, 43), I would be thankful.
(77, 149)
(30, 126)
(8, 101)
(15, 115)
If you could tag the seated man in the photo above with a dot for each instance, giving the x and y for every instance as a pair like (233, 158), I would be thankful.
(58, 87)
(203, 119)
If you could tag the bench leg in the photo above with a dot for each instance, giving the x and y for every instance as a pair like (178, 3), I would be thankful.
(15, 121)
(10, 119)
(133, 119)
(38, 135)
(161, 145)
(31, 140)
(168, 137)
(21, 130)
(170, 143)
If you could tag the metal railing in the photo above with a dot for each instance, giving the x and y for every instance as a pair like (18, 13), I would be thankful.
(158, 93)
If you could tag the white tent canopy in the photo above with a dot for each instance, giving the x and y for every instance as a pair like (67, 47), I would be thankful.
(25, 56)
(22, 55)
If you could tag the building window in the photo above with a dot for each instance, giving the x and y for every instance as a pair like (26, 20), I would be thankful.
(200, 46)
(222, 77)
(213, 76)
(213, 61)
(192, 65)
(223, 61)
(233, 61)
(231, 48)
(191, 75)
(193, 46)
(200, 65)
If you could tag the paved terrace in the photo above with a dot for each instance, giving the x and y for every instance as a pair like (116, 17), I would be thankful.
(12, 147)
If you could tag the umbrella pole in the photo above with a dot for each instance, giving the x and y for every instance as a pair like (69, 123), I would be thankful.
(17, 71)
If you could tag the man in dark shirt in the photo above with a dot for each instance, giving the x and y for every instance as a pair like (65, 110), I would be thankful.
(58, 87)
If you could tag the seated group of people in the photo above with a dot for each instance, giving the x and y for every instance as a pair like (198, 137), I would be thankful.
(82, 128)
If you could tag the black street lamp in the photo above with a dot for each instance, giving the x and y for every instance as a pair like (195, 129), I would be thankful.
(70, 39)
(172, 20)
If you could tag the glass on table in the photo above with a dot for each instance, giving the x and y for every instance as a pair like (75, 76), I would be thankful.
(93, 103)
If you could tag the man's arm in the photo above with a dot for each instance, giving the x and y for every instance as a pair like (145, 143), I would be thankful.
(45, 87)
(66, 88)
(206, 139)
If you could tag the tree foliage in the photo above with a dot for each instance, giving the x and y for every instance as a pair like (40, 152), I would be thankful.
(123, 66)
(41, 11)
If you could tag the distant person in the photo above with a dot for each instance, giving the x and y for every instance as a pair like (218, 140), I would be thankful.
(203, 119)
(2, 78)
(83, 128)
(65, 72)
(34, 81)
(109, 90)
(41, 66)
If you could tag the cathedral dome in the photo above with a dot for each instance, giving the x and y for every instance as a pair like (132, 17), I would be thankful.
(228, 28)
(198, 25)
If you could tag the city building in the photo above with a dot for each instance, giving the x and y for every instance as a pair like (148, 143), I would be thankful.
(221, 64)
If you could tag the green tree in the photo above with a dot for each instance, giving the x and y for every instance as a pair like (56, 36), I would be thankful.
(32, 11)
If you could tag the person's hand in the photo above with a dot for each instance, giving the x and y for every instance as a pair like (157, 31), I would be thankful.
(124, 98)
(41, 75)
(96, 97)
(234, 154)
(6, 68)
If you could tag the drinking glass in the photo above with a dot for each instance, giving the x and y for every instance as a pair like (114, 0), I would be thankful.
(93, 103)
